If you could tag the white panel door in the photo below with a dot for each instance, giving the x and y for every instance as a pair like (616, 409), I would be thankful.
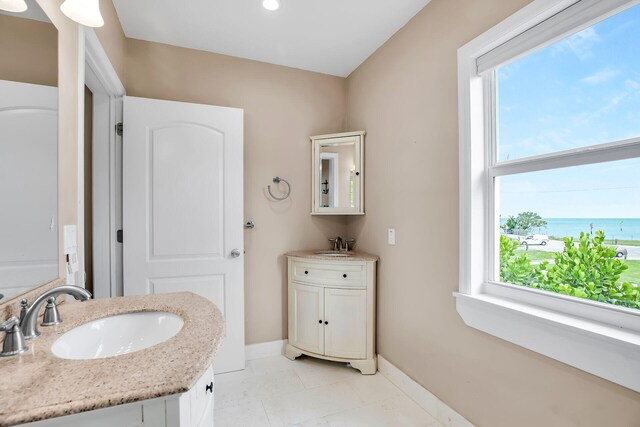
(183, 210)
(345, 332)
(306, 323)
(28, 186)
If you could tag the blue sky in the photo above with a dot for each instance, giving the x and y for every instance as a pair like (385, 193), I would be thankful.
(580, 91)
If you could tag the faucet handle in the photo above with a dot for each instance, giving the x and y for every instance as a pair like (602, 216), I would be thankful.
(333, 243)
(13, 340)
(24, 306)
(51, 314)
(9, 324)
(349, 244)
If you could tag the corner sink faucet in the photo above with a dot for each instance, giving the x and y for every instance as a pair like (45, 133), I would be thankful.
(337, 243)
(340, 244)
(28, 321)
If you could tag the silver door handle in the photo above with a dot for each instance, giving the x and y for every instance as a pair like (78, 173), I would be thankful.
(235, 253)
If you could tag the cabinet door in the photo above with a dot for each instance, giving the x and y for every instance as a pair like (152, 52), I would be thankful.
(201, 400)
(306, 327)
(345, 311)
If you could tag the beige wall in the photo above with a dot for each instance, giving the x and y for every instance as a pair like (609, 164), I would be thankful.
(112, 37)
(282, 108)
(405, 96)
(29, 51)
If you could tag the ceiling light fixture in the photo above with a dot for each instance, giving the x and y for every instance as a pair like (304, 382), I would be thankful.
(271, 4)
(85, 12)
(13, 5)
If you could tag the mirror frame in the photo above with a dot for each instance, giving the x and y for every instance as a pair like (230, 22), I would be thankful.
(321, 140)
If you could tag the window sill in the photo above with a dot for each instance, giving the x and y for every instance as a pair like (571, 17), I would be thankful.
(605, 350)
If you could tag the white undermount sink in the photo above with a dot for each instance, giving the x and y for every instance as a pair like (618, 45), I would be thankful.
(117, 335)
(334, 254)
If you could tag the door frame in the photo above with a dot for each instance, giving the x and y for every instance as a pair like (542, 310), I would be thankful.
(102, 79)
(334, 165)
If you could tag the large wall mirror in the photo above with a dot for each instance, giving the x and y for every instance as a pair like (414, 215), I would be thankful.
(338, 174)
(28, 151)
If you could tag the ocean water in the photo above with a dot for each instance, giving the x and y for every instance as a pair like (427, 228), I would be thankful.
(614, 228)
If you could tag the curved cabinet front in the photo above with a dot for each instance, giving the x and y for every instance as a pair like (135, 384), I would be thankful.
(332, 311)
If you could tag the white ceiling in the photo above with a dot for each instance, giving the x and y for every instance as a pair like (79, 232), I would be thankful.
(33, 12)
(328, 36)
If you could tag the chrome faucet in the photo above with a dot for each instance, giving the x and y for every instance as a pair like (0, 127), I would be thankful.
(339, 244)
(18, 330)
(29, 315)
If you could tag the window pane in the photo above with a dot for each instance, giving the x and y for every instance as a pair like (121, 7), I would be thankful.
(580, 91)
(540, 212)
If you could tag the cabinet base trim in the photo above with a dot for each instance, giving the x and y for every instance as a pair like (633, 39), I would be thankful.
(447, 416)
(365, 366)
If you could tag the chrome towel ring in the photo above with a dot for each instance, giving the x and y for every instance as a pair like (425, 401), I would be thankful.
(277, 180)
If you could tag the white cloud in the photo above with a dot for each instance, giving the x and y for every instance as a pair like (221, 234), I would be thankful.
(581, 44)
(601, 76)
(631, 85)
(614, 101)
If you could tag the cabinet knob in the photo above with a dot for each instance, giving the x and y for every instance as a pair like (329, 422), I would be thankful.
(357, 173)
(326, 323)
(306, 272)
(319, 321)
(344, 275)
(209, 387)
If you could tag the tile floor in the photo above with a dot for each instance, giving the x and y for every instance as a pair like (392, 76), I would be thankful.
(308, 392)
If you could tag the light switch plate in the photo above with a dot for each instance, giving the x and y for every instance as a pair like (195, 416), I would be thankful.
(70, 239)
(392, 236)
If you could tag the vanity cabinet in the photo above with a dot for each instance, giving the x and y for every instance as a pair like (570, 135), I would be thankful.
(191, 409)
(331, 305)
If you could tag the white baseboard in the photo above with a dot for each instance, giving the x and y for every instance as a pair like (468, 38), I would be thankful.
(423, 397)
(264, 349)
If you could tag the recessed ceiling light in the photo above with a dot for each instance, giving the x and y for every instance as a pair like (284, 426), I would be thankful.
(271, 4)
(13, 5)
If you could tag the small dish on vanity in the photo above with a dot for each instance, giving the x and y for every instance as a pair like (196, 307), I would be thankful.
(332, 300)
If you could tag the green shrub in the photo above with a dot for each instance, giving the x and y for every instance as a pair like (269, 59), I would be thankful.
(587, 270)
(515, 267)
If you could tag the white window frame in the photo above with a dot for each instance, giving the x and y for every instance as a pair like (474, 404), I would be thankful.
(598, 338)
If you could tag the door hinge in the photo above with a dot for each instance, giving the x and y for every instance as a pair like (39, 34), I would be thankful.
(119, 129)
(119, 236)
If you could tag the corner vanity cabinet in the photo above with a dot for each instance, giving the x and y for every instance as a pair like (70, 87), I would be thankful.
(332, 303)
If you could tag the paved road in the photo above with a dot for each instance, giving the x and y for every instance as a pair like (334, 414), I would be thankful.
(557, 246)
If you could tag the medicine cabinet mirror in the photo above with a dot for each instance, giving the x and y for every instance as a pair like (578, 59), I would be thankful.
(338, 174)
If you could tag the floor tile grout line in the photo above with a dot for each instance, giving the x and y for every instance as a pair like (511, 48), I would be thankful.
(265, 412)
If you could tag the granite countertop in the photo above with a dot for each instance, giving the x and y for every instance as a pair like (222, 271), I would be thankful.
(37, 385)
(355, 256)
